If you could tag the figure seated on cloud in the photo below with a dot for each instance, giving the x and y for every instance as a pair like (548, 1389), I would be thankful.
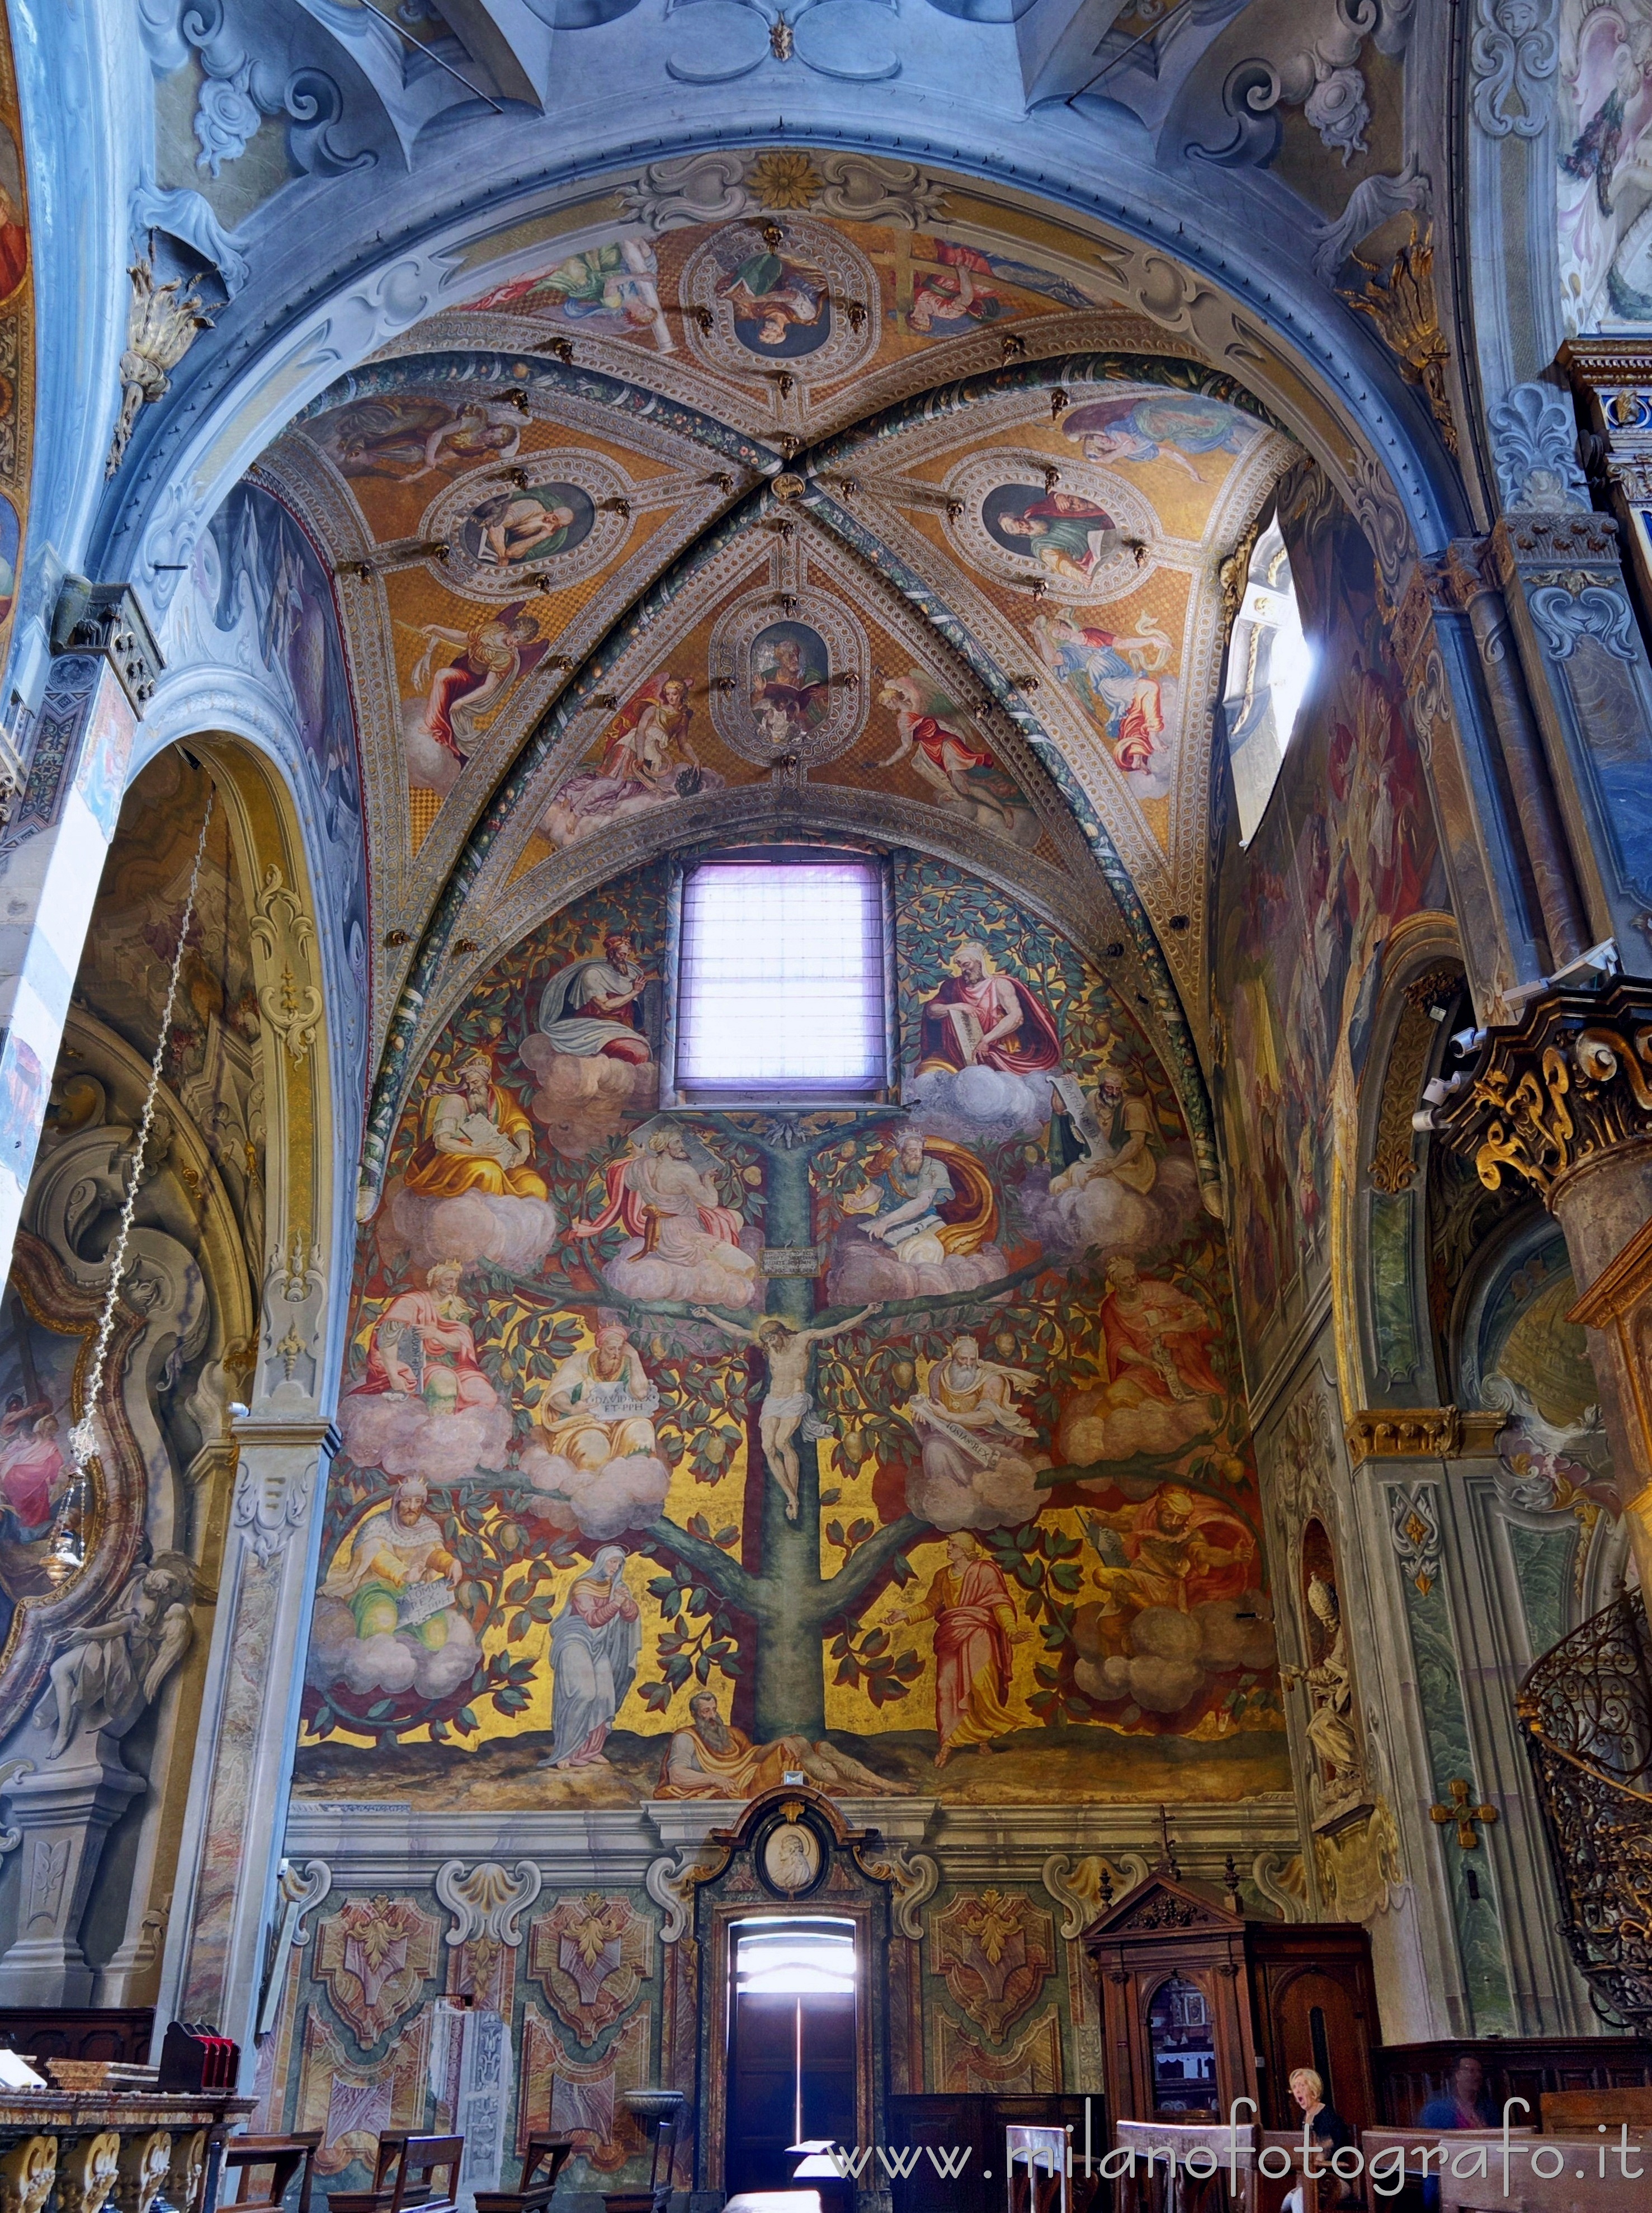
(1159, 1392)
(425, 1406)
(682, 1242)
(470, 1192)
(597, 1468)
(589, 1053)
(989, 1052)
(927, 1221)
(980, 1458)
(1114, 1184)
(385, 1615)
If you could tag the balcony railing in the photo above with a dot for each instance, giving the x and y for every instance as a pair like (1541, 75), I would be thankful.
(1586, 1710)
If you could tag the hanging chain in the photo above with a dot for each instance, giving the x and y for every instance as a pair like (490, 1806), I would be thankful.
(83, 1438)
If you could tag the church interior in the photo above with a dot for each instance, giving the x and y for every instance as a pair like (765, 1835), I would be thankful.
(825, 1105)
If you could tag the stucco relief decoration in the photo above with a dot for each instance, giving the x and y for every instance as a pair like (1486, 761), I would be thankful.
(593, 1955)
(783, 295)
(163, 321)
(1511, 59)
(993, 1950)
(375, 1955)
(790, 676)
(1414, 1526)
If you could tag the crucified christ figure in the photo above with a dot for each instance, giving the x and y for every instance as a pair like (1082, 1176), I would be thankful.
(788, 1399)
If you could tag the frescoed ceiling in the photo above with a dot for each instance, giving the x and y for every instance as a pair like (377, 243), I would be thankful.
(892, 523)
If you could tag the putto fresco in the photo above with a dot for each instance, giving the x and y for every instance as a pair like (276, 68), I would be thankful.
(610, 1523)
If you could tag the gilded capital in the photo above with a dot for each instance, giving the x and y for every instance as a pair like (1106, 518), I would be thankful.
(1571, 1083)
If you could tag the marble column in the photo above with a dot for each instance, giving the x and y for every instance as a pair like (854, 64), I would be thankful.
(1563, 1104)
(53, 836)
(229, 1856)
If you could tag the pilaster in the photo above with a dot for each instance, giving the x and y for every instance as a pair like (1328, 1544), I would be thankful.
(1493, 891)
(230, 1852)
(1592, 690)
(64, 1813)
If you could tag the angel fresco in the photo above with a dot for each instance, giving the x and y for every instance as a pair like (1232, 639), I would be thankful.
(405, 438)
(947, 750)
(1167, 426)
(490, 661)
(647, 760)
(1117, 681)
(612, 288)
(781, 304)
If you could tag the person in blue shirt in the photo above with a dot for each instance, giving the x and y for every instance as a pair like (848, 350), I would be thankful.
(1465, 2104)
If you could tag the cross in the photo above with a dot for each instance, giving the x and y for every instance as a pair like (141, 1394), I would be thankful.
(1462, 1814)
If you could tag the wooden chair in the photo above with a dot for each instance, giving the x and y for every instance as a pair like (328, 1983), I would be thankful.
(544, 2161)
(657, 2194)
(401, 2176)
(285, 2157)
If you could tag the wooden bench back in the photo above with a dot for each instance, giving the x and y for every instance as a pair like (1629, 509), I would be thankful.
(1582, 2112)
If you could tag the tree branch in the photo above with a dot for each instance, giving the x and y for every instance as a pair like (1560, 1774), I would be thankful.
(710, 1564)
(938, 1302)
(868, 1561)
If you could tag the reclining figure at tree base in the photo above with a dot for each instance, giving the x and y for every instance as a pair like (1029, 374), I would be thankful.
(712, 1758)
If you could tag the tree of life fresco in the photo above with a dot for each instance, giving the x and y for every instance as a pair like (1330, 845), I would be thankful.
(903, 1448)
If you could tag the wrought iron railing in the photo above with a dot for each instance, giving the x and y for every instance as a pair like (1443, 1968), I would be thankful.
(1586, 1710)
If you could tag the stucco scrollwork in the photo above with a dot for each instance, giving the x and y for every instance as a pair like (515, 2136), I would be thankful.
(1511, 59)
(914, 1877)
(284, 936)
(1576, 605)
(1081, 1887)
(1534, 442)
(488, 1902)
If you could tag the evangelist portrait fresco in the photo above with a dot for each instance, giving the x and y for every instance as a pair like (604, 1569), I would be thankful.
(1604, 182)
(620, 1514)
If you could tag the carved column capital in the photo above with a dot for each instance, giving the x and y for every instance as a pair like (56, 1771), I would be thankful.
(1568, 1088)
(1421, 1433)
(1527, 549)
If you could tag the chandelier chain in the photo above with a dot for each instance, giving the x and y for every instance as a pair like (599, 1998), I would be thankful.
(82, 1437)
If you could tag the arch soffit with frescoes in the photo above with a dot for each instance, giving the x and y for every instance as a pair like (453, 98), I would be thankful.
(1076, 728)
(991, 273)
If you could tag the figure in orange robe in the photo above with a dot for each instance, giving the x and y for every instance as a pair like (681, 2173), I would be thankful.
(974, 1618)
(476, 1138)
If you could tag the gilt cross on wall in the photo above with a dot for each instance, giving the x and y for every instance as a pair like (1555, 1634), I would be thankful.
(1463, 1813)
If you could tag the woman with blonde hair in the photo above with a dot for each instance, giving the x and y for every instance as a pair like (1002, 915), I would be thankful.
(1330, 2134)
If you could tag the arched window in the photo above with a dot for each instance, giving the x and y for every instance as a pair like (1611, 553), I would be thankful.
(1270, 663)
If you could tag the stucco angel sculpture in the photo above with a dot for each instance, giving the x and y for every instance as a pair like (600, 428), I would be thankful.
(104, 1676)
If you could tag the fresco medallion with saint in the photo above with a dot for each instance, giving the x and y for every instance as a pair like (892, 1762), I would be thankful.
(789, 677)
(563, 514)
(1075, 529)
(787, 290)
